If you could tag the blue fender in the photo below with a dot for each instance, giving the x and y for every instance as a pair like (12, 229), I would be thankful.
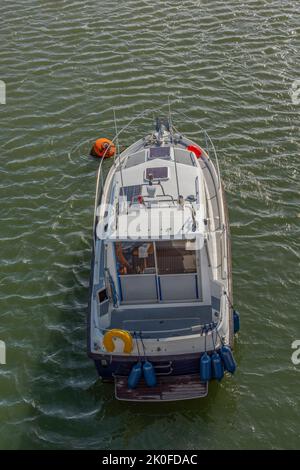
(149, 374)
(217, 366)
(228, 359)
(135, 375)
(205, 367)
(236, 321)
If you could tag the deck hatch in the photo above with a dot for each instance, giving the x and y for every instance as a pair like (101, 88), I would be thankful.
(158, 173)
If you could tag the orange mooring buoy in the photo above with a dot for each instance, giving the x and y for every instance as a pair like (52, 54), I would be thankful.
(103, 148)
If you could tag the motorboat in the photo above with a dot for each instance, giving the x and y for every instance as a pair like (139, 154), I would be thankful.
(161, 320)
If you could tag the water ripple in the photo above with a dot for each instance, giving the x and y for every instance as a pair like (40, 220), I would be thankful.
(230, 65)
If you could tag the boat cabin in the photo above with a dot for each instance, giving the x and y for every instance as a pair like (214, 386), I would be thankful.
(153, 230)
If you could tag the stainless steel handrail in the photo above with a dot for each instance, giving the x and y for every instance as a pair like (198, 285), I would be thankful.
(147, 198)
(208, 142)
(97, 196)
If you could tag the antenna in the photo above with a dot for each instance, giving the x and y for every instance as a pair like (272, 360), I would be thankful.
(118, 150)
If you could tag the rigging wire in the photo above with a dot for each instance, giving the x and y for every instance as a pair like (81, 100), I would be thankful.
(145, 358)
(172, 141)
(137, 345)
(118, 150)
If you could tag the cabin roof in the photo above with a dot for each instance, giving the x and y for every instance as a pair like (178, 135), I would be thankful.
(156, 224)
(152, 210)
(165, 163)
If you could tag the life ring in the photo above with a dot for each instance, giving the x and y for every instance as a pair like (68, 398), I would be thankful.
(103, 148)
(125, 336)
(197, 150)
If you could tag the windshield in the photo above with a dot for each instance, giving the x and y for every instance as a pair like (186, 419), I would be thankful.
(165, 257)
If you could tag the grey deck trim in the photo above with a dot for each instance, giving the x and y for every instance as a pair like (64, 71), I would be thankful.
(168, 321)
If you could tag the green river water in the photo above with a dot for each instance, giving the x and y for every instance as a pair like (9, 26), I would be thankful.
(233, 67)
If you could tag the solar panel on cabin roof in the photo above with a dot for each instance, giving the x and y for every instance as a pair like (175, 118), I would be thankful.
(184, 157)
(131, 192)
(135, 159)
(158, 173)
(159, 152)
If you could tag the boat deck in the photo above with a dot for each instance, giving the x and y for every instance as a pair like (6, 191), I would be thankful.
(160, 322)
(168, 388)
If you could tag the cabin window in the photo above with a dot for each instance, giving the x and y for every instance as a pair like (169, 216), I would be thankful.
(102, 295)
(103, 302)
(175, 257)
(160, 271)
(135, 258)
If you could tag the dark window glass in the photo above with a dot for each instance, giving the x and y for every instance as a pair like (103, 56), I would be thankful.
(174, 258)
(102, 295)
(135, 258)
